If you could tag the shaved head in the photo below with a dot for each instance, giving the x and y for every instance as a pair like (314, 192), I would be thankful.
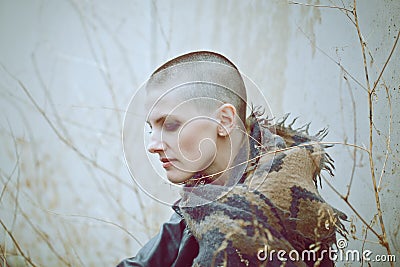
(206, 76)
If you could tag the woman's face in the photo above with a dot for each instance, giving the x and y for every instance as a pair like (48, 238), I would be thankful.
(184, 138)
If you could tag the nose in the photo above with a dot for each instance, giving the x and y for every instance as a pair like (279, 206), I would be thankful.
(156, 145)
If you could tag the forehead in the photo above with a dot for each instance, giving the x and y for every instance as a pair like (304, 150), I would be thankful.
(169, 104)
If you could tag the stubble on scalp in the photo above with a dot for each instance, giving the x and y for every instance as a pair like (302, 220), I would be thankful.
(208, 79)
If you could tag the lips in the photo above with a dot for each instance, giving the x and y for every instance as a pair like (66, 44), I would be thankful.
(166, 163)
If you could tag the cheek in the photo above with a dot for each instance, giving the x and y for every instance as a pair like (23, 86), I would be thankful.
(188, 145)
(197, 141)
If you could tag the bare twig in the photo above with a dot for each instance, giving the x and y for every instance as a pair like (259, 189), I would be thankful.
(352, 15)
(44, 237)
(63, 139)
(16, 166)
(320, 6)
(351, 207)
(353, 102)
(107, 78)
(386, 63)
(383, 236)
(99, 220)
(333, 60)
(388, 140)
(27, 258)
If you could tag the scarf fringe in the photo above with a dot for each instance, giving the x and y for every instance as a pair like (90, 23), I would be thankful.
(293, 137)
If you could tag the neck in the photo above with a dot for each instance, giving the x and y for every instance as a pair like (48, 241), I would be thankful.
(228, 148)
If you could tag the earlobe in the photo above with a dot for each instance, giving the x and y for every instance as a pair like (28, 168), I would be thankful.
(221, 132)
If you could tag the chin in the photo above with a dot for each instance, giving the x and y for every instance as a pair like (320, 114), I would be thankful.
(177, 177)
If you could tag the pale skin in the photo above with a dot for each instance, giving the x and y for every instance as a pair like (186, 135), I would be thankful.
(189, 140)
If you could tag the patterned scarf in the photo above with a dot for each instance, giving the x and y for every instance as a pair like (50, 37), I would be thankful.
(275, 205)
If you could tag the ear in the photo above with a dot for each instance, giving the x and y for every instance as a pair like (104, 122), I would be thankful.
(227, 119)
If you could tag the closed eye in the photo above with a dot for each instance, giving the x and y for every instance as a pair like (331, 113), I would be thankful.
(171, 126)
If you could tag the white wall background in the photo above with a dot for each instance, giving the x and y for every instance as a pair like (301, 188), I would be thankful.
(68, 69)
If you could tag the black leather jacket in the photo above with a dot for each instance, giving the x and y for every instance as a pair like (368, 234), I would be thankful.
(174, 246)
